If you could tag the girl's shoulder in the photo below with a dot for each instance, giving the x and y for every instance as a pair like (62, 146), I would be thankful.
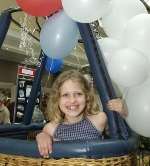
(98, 120)
(99, 115)
(50, 127)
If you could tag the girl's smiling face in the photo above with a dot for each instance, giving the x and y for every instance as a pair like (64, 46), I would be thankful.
(72, 100)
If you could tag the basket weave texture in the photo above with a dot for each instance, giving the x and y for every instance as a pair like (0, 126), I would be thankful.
(13, 160)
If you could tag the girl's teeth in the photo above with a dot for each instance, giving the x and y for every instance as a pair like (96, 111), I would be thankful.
(72, 107)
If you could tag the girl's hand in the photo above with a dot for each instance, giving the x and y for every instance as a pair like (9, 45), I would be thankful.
(117, 105)
(44, 143)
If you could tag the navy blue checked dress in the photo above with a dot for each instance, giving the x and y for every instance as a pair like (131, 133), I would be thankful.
(82, 130)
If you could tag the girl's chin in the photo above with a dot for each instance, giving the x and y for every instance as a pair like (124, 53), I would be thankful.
(73, 115)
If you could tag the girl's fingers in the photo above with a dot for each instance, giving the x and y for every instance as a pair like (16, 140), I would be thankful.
(44, 149)
(118, 105)
(44, 144)
(50, 148)
(115, 105)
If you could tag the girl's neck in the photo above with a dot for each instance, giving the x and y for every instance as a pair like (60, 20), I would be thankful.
(71, 120)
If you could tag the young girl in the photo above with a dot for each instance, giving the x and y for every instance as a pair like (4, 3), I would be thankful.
(74, 112)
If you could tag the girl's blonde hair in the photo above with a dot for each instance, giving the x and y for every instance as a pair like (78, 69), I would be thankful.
(92, 106)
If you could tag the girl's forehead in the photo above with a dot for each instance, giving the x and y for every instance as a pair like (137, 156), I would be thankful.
(71, 82)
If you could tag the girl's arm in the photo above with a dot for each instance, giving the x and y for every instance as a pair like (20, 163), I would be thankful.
(45, 139)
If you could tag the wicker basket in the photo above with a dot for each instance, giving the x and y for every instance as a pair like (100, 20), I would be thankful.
(13, 160)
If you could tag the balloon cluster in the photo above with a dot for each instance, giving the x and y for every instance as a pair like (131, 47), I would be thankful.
(59, 33)
(126, 49)
(127, 57)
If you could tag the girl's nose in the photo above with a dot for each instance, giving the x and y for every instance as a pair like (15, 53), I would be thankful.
(72, 98)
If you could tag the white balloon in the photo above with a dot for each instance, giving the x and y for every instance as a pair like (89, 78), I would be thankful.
(85, 11)
(138, 102)
(119, 89)
(108, 46)
(137, 34)
(128, 67)
(121, 11)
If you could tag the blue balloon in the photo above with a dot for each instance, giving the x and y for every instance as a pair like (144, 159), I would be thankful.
(53, 65)
(59, 35)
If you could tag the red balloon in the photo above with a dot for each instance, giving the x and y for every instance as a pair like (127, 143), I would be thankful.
(40, 7)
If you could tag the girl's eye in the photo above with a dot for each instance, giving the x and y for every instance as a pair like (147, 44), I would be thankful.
(79, 94)
(76, 94)
(64, 95)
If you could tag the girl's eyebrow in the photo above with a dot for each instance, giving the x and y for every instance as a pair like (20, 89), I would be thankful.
(73, 91)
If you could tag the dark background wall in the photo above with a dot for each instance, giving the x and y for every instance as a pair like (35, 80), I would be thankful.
(8, 71)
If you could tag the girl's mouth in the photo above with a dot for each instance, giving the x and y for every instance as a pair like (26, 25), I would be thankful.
(72, 108)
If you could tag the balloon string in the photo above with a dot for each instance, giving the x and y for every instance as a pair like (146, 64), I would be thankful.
(49, 73)
(78, 60)
(48, 78)
(51, 66)
(125, 92)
